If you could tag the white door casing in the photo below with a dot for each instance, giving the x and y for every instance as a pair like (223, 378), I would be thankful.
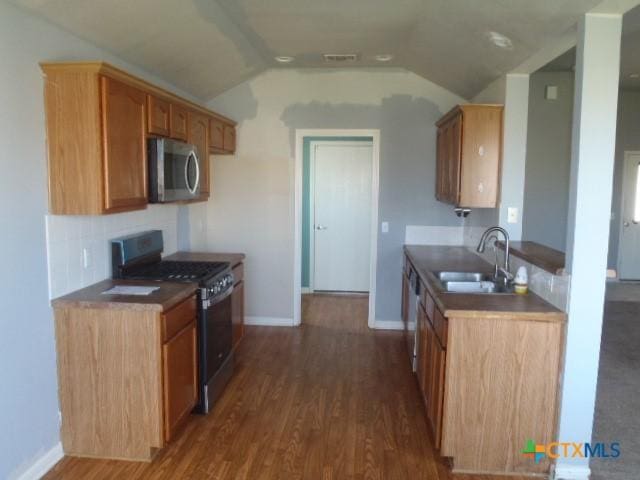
(297, 216)
(341, 215)
(629, 243)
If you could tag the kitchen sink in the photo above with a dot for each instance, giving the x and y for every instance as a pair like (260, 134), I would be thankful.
(471, 282)
(462, 276)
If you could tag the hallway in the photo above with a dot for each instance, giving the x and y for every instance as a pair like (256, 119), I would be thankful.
(329, 400)
(617, 401)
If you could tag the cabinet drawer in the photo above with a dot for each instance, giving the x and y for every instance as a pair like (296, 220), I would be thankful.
(440, 325)
(178, 317)
(238, 273)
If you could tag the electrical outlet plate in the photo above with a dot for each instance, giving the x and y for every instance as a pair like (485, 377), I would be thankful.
(512, 215)
(385, 227)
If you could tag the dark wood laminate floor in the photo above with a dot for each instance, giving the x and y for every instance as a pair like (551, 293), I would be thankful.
(329, 400)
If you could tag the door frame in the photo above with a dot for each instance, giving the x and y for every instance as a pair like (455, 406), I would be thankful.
(297, 234)
(312, 163)
(627, 154)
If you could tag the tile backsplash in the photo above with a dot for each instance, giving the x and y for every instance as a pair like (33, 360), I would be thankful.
(552, 288)
(78, 248)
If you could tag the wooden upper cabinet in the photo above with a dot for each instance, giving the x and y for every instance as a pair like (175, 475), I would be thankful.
(198, 129)
(216, 134)
(125, 150)
(97, 119)
(469, 156)
(229, 138)
(157, 116)
(178, 119)
(222, 136)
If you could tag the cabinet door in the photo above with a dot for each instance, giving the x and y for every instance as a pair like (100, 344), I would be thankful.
(178, 119)
(440, 163)
(124, 146)
(199, 136)
(422, 370)
(180, 370)
(229, 138)
(437, 357)
(157, 116)
(454, 141)
(237, 313)
(216, 133)
(443, 162)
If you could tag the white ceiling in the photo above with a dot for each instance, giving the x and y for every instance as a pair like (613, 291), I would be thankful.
(208, 46)
(629, 53)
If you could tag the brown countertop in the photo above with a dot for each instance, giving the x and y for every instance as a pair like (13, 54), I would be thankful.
(233, 258)
(546, 258)
(427, 259)
(168, 295)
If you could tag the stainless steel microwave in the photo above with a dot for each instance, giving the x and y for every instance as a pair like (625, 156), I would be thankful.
(174, 170)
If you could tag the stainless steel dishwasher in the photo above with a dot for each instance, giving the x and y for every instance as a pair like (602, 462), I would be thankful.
(412, 320)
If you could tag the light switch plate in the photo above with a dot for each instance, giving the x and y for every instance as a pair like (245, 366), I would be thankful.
(384, 227)
(551, 92)
(512, 215)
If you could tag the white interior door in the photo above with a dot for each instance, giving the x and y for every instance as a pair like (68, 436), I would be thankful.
(341, 216)
(629, 246)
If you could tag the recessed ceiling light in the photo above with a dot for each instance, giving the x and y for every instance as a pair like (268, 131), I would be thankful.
(384, 57)
(284, 59)
(500, 40)
(634, 75)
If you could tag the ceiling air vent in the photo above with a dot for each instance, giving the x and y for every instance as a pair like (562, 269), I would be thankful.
(340, 57)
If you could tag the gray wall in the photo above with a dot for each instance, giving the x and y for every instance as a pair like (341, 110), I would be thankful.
(407, 175)
(548, 160)
(252, 209)
(627, 138)
(29, 398)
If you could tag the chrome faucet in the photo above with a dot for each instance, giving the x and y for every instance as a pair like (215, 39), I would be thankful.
(486, 235)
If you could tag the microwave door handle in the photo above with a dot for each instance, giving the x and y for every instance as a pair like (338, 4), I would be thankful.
(191, 156)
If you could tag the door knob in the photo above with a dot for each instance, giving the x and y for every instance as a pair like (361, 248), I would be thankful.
(626, 224)
(320, 227)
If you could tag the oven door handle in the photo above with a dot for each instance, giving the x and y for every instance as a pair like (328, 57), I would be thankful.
(191, 156)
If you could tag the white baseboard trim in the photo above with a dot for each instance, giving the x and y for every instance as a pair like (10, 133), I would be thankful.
(388, 325)
(306, 290)
(43, 464)
(571, 473)
(269, 321)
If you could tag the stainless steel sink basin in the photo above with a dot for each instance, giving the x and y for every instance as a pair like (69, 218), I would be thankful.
(471, 282)
(462, 276)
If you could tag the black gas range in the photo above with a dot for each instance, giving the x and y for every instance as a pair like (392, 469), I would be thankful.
(138, 257)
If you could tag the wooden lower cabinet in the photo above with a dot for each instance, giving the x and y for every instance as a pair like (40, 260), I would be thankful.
(482, 399)
(127, 377)
(180, 369)
(435, 384)
(430, 371)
